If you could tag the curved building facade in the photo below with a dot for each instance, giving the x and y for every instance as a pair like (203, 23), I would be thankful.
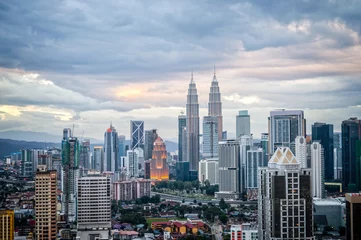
(158, 165)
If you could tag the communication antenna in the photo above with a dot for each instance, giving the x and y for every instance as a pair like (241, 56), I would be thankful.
(72, 132)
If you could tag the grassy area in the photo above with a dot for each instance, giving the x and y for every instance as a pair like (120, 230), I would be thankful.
(150, 220)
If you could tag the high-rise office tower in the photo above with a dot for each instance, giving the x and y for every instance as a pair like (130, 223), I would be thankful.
(98, 158)
(136, 134)
(337, 155)
(245, 144)
(26, 163)
(210, 136)
(121, 146)
(209, 170)
(132, 162)
(254, 161)
(351, 132)
(7, 224)
(353, 216)
(318, 170)
(284, 199)
(301, 151)
(149, 138)
(215, 105)
(283, 128)
(243, 123)
(158, 165)
(184, 145)
(182, 123)
(229, 170)
(85, 155)
(111, 159)
(192, 111)
(70, 162)
(45, 203)
(94, 206)
(264, 146)
(323, 133)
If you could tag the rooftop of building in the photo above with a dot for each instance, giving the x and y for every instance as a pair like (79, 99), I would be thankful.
(327, 202)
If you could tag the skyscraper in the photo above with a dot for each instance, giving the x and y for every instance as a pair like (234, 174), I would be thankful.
(158, 165)
(26, 163)
(353, 216)
(318, 170)
(209, 170)
(301, 151)
(98, 158)
(210, 136)
(215, 105)
(254, 160)
(264, 146)
(337, 155)
(243, 123)
(351, 132)
(284, 199)
(85, 155)
(323, 133)
(7, 224)
(229, 170)
(94, 206)
(284, 127)
(45, 203)
(121, 146)
(136, 134)
(111, 159)
(133, 161)
(192, 109)
(182, 122)
(149, 138)
(70, 161)
(245, 144)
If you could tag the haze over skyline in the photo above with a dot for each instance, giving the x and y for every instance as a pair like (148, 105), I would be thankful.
(65, 62)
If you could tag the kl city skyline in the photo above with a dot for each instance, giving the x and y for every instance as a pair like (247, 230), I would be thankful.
(88, 64)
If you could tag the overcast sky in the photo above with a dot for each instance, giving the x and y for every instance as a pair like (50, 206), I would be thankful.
(92, 62)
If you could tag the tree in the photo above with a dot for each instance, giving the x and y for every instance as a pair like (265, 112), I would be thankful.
(211, 212)
(195, 200)
(223, 218)
(222, 204)
(133, 219)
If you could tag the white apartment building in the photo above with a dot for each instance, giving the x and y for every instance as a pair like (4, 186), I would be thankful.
(208, 170)
(301, 151)
(318, 170)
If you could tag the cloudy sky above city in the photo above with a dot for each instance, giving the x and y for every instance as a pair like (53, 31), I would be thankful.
(92, 62)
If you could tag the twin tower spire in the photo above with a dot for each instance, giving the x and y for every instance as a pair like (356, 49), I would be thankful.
(192, 120)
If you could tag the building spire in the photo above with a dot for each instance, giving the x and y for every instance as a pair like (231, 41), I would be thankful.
(192, 81)
(214, 74)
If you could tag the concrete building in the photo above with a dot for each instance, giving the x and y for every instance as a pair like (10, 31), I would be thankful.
(301, 151)
(192, 129)
(353, 216)
(243, 123)
(337, 156)
(136, 134)
(45, 203)
(229, 170)
(246, 231)
(284, 198)
(94, 207)
(283, 128)
(210, 136)
(318, 170)
(149, 138)
(7, 224)
(209, 170)
(182, 123)
(132, 161)
(215, 106)
(236, 232)
(111, 159)
(328, 212)
(182, 171)
(132, 189)
(121, 146)
(264, 146)
(253, 162)
(159, 169)
(98, 159)
(246, 143)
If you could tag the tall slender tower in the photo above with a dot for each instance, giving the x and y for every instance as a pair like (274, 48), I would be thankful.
(215, 105)
(192, 124)
(111, 150)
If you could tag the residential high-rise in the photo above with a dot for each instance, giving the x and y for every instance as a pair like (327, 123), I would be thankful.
(94, 206)
(253, 162)
(353, 216)
(26, 163)
(46, 159)
(70, 162)
(182, 123)
(121, 146)
(192, 112)
(301, 151)
(85, 155)
(149, 138)
(7, 224)
(158, 165)
(98, 158)
(132, 162)
(243, 123)
(318, 170)
(337, 156)
(210, 136)
(323, 133)
(209, 170)
(67, 133)
(45, 203)
(229, 170)
(111, 159)
(264, 146)
(215, 105)
(136, 134)
(283, 128)
(132, 189)
(351, 132)
(284, 199)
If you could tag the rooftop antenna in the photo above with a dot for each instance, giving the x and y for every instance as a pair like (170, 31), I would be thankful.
(72, 132)
(214, 72)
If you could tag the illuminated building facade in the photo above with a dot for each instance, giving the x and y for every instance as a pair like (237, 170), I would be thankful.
(158, 165)
(7, 224)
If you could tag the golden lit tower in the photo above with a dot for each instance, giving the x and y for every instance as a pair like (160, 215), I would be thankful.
(7, 224)
(158, 165)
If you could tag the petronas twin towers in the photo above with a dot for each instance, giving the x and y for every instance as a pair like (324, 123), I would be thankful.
(192, 123)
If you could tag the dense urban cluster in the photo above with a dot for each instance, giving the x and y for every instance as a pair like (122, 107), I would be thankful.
(286, 185)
